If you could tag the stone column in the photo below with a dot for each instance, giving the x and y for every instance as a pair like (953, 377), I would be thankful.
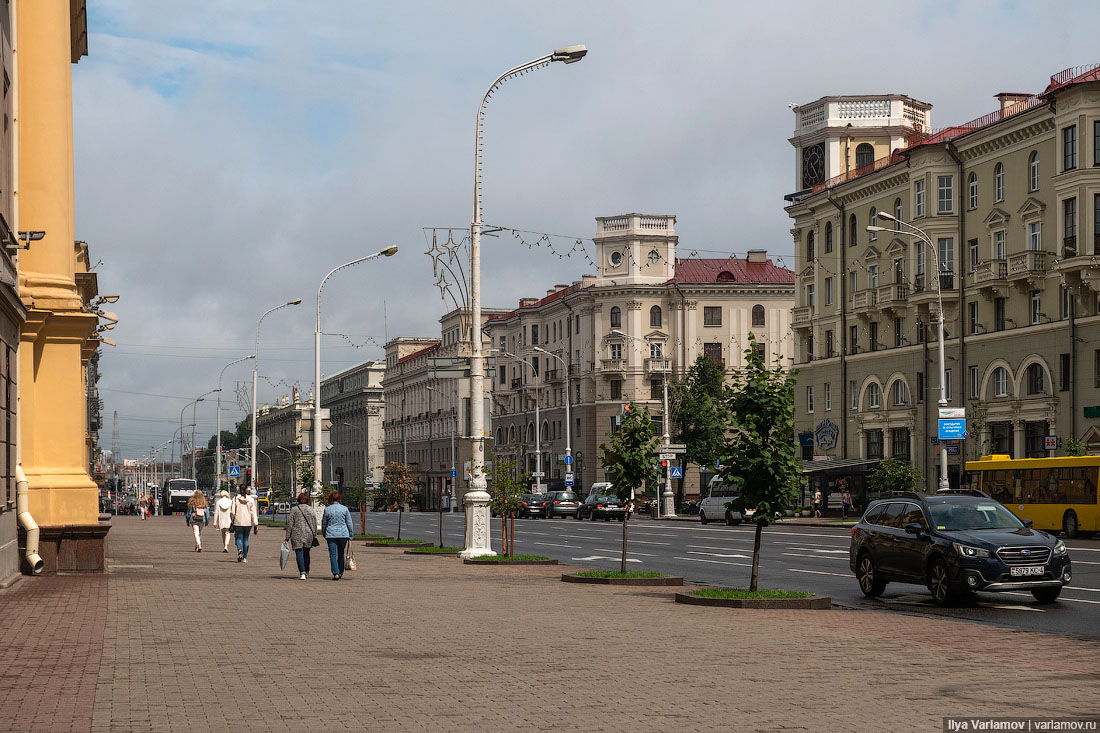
(1018, 438)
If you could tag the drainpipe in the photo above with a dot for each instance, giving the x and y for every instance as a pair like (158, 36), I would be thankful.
(27, 521)
(842, 245)
(964, 251)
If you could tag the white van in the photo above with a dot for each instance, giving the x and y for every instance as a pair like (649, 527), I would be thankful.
(600, 487)
(713, 504)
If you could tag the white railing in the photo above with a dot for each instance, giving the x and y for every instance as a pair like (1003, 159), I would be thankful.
(637, 222)
(862, 109)
(811, 116)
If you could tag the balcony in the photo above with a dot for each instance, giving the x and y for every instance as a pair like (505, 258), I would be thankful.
(554, 375)
(517, 382)
(658, 365)
(612, 365)
(865, 299)
(801, 315)
(991, 272)
(892, 297)
(1028, 265)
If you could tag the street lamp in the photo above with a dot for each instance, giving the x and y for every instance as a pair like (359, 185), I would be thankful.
(568, 442)
(255, 374)
(668, 508)
(387, 252)
(912, 231)
(218, 473)
(265, 455)
(293, 477)
(476, 540)
(192, 402)
(193, 410)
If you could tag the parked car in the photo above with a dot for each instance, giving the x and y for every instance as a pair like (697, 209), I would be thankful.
(955, 543)
(602, 506)
(561, 504)
(712, 507)
(532, 505)
(283, 507)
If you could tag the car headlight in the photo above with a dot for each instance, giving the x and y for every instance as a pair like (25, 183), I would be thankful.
(967, 551)
(1060, 548)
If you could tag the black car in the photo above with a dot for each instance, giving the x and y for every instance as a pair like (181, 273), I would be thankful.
(531, 505)
(561, 504)
(954, 543)
(602, 506)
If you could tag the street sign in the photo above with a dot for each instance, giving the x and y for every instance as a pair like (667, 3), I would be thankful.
(568, 482)
(1050, 442)
(454, 473)
(953, 450)
(234, 471)
(952, 413)
(568, 460)
(676, 472)
(538, 474)
(934, 440)
(568, 475)
(667, 457)
(952, 429)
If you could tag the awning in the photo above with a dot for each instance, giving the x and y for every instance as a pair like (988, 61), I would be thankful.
(840, 466)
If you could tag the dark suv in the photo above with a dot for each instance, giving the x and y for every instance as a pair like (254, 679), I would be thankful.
(561, 504)
(955, 543)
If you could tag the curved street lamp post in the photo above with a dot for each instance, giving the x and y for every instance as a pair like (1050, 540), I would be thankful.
(218, 471)
(253, 439)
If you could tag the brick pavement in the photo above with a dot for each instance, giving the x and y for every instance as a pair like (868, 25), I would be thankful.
(429, 644)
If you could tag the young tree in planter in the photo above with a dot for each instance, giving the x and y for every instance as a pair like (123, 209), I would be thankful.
(355, 495)
(697, 404)
(631, 454)
(507, 494)
(894, 475)
(400, 484)
(761, 451)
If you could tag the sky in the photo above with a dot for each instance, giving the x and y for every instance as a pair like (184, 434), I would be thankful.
(229, 154)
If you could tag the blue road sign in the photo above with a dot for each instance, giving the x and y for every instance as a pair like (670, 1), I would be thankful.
(952, 429)
(568, 482)
(569, 460)
(234, 471)
(454, 473)
(676, 472)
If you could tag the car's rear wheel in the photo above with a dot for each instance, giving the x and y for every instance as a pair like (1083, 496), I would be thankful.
(702, 518)
(1046, 595)
(578, 515)
(1070, 525)
(730, 520)
(939, 583)
(592, 516)
(870, 582)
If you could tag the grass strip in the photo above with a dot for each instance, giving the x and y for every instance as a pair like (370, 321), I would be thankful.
(397, 542)
(618, 574)
(509, 558)
(436, 550)
(742, 594)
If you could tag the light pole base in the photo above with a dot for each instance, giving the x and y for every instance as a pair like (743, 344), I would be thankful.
(476, 540)
(668, 505)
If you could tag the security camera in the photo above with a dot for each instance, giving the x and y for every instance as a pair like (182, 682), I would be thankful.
(791, 105)
(108, 316)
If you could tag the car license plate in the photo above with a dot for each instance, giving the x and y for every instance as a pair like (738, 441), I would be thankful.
(1029, 570)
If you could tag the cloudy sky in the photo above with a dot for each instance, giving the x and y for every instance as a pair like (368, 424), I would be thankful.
(229, 154)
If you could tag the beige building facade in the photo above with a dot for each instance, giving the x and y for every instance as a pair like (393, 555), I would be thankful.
(1008, 207)
(279, 430)
(357, 410)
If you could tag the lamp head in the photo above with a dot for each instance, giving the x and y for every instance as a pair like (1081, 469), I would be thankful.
(887, 217)
(877, 229)
(569, 54)
(617, 332)
(296, 301)
(389, 251)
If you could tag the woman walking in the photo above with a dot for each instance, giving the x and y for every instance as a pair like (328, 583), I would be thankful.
(143, 507)
(223, 520)
(336, 527)
(244, 520)
(197, 516)
(301, 533)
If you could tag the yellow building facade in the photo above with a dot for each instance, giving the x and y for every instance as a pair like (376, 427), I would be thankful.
(59, 335)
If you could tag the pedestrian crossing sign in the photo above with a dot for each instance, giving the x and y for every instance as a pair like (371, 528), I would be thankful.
(234, 471)
(676, 472)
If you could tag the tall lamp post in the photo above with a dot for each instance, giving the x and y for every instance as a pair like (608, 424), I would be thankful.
(218, 471)
(568, 442)
(182, 441)
(912, 231)
(194, 408)
(387, 252)
(476, 541)
(255, 374)
(666, 506)
(265, 455)
(293, 473)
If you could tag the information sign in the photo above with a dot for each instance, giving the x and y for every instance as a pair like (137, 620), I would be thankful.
(568, 460)
(538, 474)
(1050, 442)
(667, 457)
(454, 473)
(952, 429)
(234, 471)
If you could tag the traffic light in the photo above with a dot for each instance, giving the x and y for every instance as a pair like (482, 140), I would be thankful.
(664, 464)
(248, 477)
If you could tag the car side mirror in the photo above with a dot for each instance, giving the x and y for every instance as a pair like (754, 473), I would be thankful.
(913, 528)
(1028, 523)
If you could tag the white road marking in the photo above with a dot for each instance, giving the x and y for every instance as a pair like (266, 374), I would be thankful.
(717, 562)
(602, 557)
(117, 567)
(814, 557)
(555, 544)
(645, 542)
(1073, 600)
(821, 572)
(1074, 587)
(814, 549)
(719, 554)
(643, 554)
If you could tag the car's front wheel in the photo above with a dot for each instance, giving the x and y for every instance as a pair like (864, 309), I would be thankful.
(702, 518)
(939, 583)
(1046, 595)
(870, 582)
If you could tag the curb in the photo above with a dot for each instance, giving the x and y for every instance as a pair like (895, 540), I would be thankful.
(510, 562)
(432, 554)
(402, 545)
(668, 580)
(815, 603)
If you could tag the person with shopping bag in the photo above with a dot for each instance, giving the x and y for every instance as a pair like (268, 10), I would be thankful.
(301, 533)
(337, 528)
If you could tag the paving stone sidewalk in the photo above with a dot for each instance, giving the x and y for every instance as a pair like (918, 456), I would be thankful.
(174, 640)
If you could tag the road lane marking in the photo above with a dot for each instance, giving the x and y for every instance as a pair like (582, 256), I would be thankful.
(814, 549)
(814, 557)
(717, 562)
(603, 557)
(643, 554)
(719, 554)
(1074, 587)
(646, 542)
(821, 572)
(555, 544)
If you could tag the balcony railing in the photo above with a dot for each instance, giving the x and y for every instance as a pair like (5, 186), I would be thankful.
(893, 294)
(612, 365)
(865, 298)
(1025, 264)
(658, 365)
(991, 271)
(554, 375)
(517, 382)
(802, 315)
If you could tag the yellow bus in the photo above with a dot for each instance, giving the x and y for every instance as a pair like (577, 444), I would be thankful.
(1056, 494)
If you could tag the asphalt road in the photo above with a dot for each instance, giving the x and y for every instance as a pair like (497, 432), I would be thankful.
(792, 557)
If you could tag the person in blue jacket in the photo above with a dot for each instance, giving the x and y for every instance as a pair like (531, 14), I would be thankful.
(337, 530)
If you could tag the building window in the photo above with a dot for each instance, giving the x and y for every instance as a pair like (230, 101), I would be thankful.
(853, 390)
(865, 155)
(918, 199)
(1064, 373)
(1036, 306)
(1034, 432)
(616, 351)
(828, 291)
(972, 245)
(829, 350)
(874, 444)
(921, 332)
(656, 351)
(713, 352)
(616, 317)
(899, 271)
(503, 371)
(974, 383)
(1067, 302)
(656, 389)
(1096, 143)
(972, 317)
(874, 396)
(809, 300)
(1036, 384)
(899, 444)
(712, 314)
(999, 183)
(918, 257)
(758, 316)
(899, 333)
(534, 334)
(872, 219)
(1000, 382)
(999, 245)
(1069, 224)
(897, 214)
(809, 399)
(1035, 235)
(761, 352)
(874, 335)
(616, 389)
(946, 246)
(1096, 223)
(1069, 148)
(577, 325)
(900, 393)
(655, 317)
(852, 231)
(873, 272)
(1033, 172)
(828, 237)
(945, 195)
(828, 397)
(999, 314)
(853, 339)
(810, 253)
(972, 191)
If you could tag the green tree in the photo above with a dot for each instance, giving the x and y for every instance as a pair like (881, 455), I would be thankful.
(303, 471)
(698, 404)
(1076, 447)
(356, 494)
(399, 487)
(894, 475)
(631, 454)
(506, 499)
(760, 453)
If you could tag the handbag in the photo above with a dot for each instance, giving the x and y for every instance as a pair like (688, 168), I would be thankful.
(284, 554)
(350, 563)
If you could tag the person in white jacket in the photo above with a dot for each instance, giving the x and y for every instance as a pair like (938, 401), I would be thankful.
(223, 519)
(244, 519)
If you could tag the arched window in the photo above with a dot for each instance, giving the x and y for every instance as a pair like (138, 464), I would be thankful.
(616, 317)
(972, 190)
(1033, 171)
(758, 315)
(500, 436)
(1036, 381)
(545, 430)
(725, 276)
(999, 182)
(900, 396)
(810, 247)
(530, 433)
(828, 237)
(874, 396)
(897, 214)
(852, 230)
(873, 220)
(1000, 382)
(512, 434)
(655, 317)
(865, 155)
